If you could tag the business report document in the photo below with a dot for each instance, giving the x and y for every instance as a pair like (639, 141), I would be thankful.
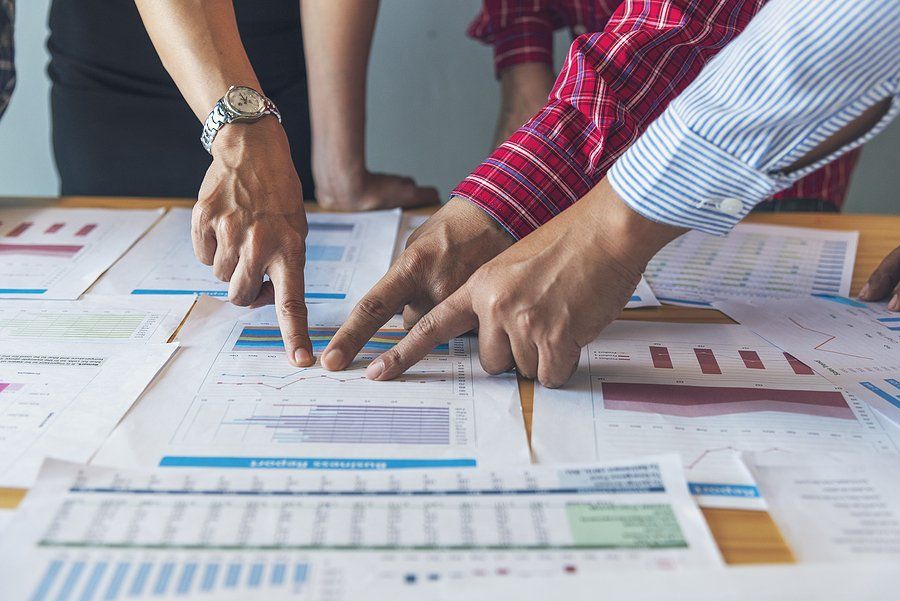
(705, 391)
(852, 344)
(753, 262)
(833, 508)
(100, 533)
(231, 399)
(346, 254)
(58, 253)
(94, 318)
(63, 400)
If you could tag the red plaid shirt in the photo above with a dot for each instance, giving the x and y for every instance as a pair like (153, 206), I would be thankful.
(613, 84)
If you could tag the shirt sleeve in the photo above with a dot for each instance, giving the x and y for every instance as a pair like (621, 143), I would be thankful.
(801, 71)
(520, 32)
(7, 66)
(612, 85)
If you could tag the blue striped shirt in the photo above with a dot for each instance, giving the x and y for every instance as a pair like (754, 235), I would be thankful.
(800, 71)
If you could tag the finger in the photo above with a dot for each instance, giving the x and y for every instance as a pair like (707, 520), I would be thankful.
(413, 312)
(246, 282)
(265, 297)
(525, 355)
(494, 349)
(391, 191)
(290, 306)
(449, 319)
(894, 304)
(370, 313)
(225, 261)
(202, 236)
(884, 279)
(557, 362)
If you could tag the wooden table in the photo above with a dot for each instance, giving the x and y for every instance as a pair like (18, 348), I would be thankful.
(743, 536)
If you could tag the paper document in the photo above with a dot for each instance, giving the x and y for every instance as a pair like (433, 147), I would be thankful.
(92, 533)
(753, 262)
(98, 319)
(408, 225)
(642, 296)
(837, 509)
(852, 344)
(345, 255)
(63, 400)
(232, 400)
(706, 391)
(59, 253)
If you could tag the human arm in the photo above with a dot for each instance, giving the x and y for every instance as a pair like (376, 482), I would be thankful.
(537, 303)
(249, 219)
(7, 54)
(337, 36)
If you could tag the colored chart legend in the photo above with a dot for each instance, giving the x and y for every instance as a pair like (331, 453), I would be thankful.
(268, 338)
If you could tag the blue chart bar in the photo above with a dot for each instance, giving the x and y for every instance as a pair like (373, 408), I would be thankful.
(209, 577)
(102, 580)
(187, 578)
(93, 582)
(324, 252)
(115, 585)
(890, 398)
(162, 580)
(137, 585)
(71, 581)
(233, 575)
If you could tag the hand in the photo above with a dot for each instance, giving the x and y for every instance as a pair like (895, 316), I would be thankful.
(249, 221)
(539, 302)
(884, 282)
(439, 257)
(360, 190)
(524, 89)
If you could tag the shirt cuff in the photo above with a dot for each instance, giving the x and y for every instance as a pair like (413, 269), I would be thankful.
(529, 179)
(672, 175)
(526, 40)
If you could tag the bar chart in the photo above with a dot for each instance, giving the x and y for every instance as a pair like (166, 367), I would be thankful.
(269, 338)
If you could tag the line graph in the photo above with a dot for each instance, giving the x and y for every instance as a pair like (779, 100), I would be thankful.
(280, 382)
(829, 338)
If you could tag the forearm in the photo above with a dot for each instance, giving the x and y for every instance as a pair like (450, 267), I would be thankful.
(200, 47)
(337, 36)
(524, 88)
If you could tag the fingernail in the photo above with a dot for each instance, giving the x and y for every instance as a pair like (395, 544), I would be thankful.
(375, 369)
(894, 305)
(333, 359)
(864, 293)
(303, 357)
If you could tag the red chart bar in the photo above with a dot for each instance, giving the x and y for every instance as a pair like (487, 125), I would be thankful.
(800, 368)
(84, 231)
(751, 360)
(19, 229)
(707, 361)
(54, 228)
(660, 357)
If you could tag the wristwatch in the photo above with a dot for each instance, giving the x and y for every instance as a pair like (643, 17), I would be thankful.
(239, 103)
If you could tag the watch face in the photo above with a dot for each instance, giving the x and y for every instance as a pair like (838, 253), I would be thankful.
(245, 101)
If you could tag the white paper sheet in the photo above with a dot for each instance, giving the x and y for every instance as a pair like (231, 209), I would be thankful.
(63, 400)
(94, 318)
(346, 254)
(408, 225)
(837, 508)
(753, 262)
(231, 399)
(852, 344)
(646, 387)
(195, 532)
(58, 253)
(642, 296)
(834, 582)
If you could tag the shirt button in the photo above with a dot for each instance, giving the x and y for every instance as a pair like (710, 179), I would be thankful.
(731, 206)
(579, 29)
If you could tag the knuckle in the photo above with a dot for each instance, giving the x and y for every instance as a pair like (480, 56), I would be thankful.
(293, 308)
(414, 261)
(427, 326)
(373, 308)
(393, 357)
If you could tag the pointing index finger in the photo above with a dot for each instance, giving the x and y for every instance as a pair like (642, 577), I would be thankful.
(290, 305)
(449, 319)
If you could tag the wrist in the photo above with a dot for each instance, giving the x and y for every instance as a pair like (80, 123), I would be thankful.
(622, 233)
(264, 134)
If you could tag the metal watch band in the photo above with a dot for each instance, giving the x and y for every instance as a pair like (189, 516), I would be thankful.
(221, 116)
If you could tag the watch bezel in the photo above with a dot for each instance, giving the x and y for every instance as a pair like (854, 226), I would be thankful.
(238, 112)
